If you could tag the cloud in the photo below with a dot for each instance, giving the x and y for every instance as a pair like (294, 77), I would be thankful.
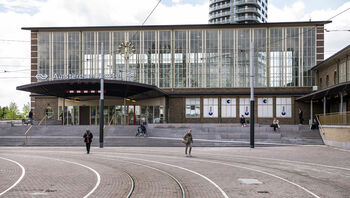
(334, 41)
(121, 12)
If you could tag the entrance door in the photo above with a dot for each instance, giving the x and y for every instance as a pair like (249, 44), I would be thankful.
(84, 115)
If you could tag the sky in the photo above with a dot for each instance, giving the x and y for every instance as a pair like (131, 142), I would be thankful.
(14, 14)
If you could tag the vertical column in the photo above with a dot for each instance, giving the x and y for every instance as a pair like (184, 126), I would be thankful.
(311, 110)
(324, 105)
(341, 102)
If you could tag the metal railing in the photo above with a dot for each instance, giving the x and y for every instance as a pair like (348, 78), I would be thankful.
(340, 118)
(26, 133)
(109, 124)
(44, 118)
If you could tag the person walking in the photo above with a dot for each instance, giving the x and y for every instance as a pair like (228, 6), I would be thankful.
(242, 121)
(30, 117)
(300, 116)
(88, 139)
(188, 140)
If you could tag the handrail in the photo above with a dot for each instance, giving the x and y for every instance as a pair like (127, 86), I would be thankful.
(320, 127)
(336, 118)
(26, 133)
(109, 124)
(44, 118)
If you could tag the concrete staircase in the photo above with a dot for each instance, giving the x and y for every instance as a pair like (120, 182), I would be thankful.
(161, 135)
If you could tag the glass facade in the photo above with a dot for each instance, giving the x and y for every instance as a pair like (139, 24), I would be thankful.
(188, 58)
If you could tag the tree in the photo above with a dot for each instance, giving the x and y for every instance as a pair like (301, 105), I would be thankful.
(26, 109)
(12, 111)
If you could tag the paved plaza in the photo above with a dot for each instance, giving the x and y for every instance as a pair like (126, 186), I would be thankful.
(283, 171)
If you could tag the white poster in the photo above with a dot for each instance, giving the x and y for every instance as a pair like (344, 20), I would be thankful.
(244, 107)
(210, 109)
(265, 107)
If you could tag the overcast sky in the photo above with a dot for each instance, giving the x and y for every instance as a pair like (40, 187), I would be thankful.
(14, 14)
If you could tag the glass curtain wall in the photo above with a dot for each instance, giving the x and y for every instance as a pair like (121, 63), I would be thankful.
(243, 59)
(228, 57)
(150, 54)
(44, 52)
(74, 53)
(185, 58)
(180, 59)
(212, 58)
(292, 57)
(118, 59)
(276, 57)
(196, 59)
(89, 57)
(308, 55)
(58, 53)
(104, 37)
(134, 60)
(164, 58)
(259, 57)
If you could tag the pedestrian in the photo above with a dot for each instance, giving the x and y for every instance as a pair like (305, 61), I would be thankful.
(188, 140)
(301, 119)
(242, 121)
(30, 117)
(88, 139)
(314, 124)
(275, 124)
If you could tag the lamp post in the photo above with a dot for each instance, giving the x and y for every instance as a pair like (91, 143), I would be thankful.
(252, 72)
(102, 97)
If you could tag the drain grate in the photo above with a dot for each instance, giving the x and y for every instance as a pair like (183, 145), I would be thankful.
(263, 191)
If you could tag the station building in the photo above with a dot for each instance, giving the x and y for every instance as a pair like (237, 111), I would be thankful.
(174, 73)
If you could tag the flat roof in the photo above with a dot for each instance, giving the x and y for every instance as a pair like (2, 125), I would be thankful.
(333, 57)
(184, 26)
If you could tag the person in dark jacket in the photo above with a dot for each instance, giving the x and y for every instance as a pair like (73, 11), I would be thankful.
(31, 117)
(88, 139)
(242, 121)
(188, 142)
(301, 119)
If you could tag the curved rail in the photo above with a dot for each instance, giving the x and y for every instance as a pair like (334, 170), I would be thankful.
(159, 170)
(132, 185)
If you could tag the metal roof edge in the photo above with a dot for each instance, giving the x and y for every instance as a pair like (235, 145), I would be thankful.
(181, 25)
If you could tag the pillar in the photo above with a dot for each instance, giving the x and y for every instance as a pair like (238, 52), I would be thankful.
(311, 111)
(324, 105)
(341, 102)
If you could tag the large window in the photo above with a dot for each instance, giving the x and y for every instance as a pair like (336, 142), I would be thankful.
(283, 107)
(244, 107)
(243, 58)
(228, 107)
(193, 106)
(265, 107)
(180, 59)
(210, 108)
(164, 58)
(44, 53)
(196, 59)
(227, 69)
(212, 59)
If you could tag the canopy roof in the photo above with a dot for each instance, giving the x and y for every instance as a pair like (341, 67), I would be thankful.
(62, 88)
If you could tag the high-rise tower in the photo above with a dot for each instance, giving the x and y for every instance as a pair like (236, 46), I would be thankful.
(237, 11)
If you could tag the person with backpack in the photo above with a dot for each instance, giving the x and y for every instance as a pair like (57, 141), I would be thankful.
(188, 140)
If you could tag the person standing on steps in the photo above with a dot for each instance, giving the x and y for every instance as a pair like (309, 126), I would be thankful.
(30, 117)
(301, 119)
(88, 139)
(188, 140)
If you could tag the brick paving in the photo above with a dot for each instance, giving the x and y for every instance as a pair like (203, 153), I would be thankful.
(299, 171)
